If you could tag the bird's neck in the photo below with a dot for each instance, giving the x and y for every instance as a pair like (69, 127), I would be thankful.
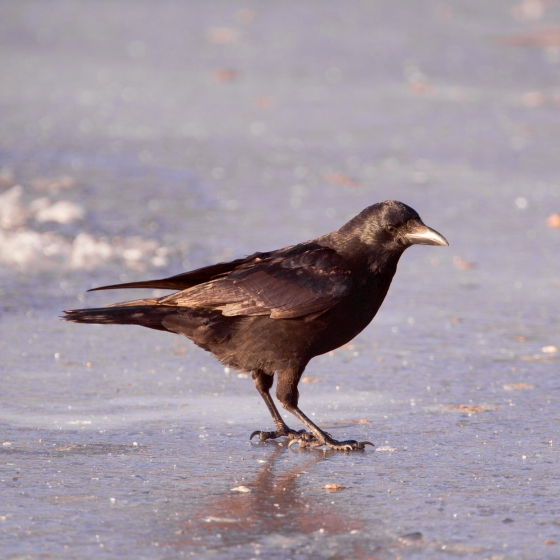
(383, 262)
(376, 261)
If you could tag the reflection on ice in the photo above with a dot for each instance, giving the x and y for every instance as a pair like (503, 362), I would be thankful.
(280, 502)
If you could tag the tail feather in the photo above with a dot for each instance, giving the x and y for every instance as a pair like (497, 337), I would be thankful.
(202, 326)
(150, 316)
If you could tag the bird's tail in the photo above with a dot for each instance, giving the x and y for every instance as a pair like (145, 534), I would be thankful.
(203, 326)
(139, 312)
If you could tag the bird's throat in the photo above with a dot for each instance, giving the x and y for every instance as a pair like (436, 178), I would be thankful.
(384, 263)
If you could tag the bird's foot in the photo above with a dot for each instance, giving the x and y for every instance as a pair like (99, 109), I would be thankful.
(347, 445)
(292, 435)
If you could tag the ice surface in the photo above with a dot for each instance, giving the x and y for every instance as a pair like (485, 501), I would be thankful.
(139, 140)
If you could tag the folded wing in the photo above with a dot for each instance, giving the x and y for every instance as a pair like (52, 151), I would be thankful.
(302, 280)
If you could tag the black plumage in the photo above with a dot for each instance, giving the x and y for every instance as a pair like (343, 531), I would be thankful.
(272, 312)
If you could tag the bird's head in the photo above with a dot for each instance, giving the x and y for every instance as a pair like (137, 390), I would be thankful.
(392, 226)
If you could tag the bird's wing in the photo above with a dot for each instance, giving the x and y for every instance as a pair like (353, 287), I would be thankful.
(303, 280)
(185, 280)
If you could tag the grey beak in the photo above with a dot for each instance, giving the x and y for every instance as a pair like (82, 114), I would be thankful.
(419, 234)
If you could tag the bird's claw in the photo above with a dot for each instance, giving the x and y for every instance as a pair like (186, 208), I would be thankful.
(288, 432)
(348, 445)
(304, 439)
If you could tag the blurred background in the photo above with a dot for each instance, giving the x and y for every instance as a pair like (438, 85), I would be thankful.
(152, 135)
(141, 139)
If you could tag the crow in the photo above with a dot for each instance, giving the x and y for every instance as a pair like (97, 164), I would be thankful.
(270, 313)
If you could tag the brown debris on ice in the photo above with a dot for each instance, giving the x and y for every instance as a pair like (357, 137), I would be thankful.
(544, 38)
(553, 221)
(222, 35)
(224, 75)
(334, 487)
(469, 409)
(518, 386)
(461, 264)
(341, 180)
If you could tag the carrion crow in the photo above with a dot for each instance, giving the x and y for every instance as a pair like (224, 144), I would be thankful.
(272, 312)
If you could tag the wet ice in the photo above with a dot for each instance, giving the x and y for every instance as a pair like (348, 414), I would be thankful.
(140, 154)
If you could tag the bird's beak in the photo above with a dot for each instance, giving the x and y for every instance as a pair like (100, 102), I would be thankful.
(419, 234)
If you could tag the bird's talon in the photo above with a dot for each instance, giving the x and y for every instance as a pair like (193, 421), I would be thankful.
(348, 445)
(307, 441)
(292, 435)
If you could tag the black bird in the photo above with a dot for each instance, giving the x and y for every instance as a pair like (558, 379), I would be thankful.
(272, 312)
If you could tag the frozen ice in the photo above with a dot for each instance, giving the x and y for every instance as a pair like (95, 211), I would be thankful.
(13, 213)
(62, 212)
(139, 143)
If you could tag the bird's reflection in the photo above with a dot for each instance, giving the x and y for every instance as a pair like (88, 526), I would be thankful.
(280, 502)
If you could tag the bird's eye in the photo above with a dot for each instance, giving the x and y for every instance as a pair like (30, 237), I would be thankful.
(391, 229)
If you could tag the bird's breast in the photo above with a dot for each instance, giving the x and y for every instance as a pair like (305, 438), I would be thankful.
(348, 318)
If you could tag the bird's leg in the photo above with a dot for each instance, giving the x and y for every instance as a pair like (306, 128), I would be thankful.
(288, 395)
(263, 383)
(323, 438)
